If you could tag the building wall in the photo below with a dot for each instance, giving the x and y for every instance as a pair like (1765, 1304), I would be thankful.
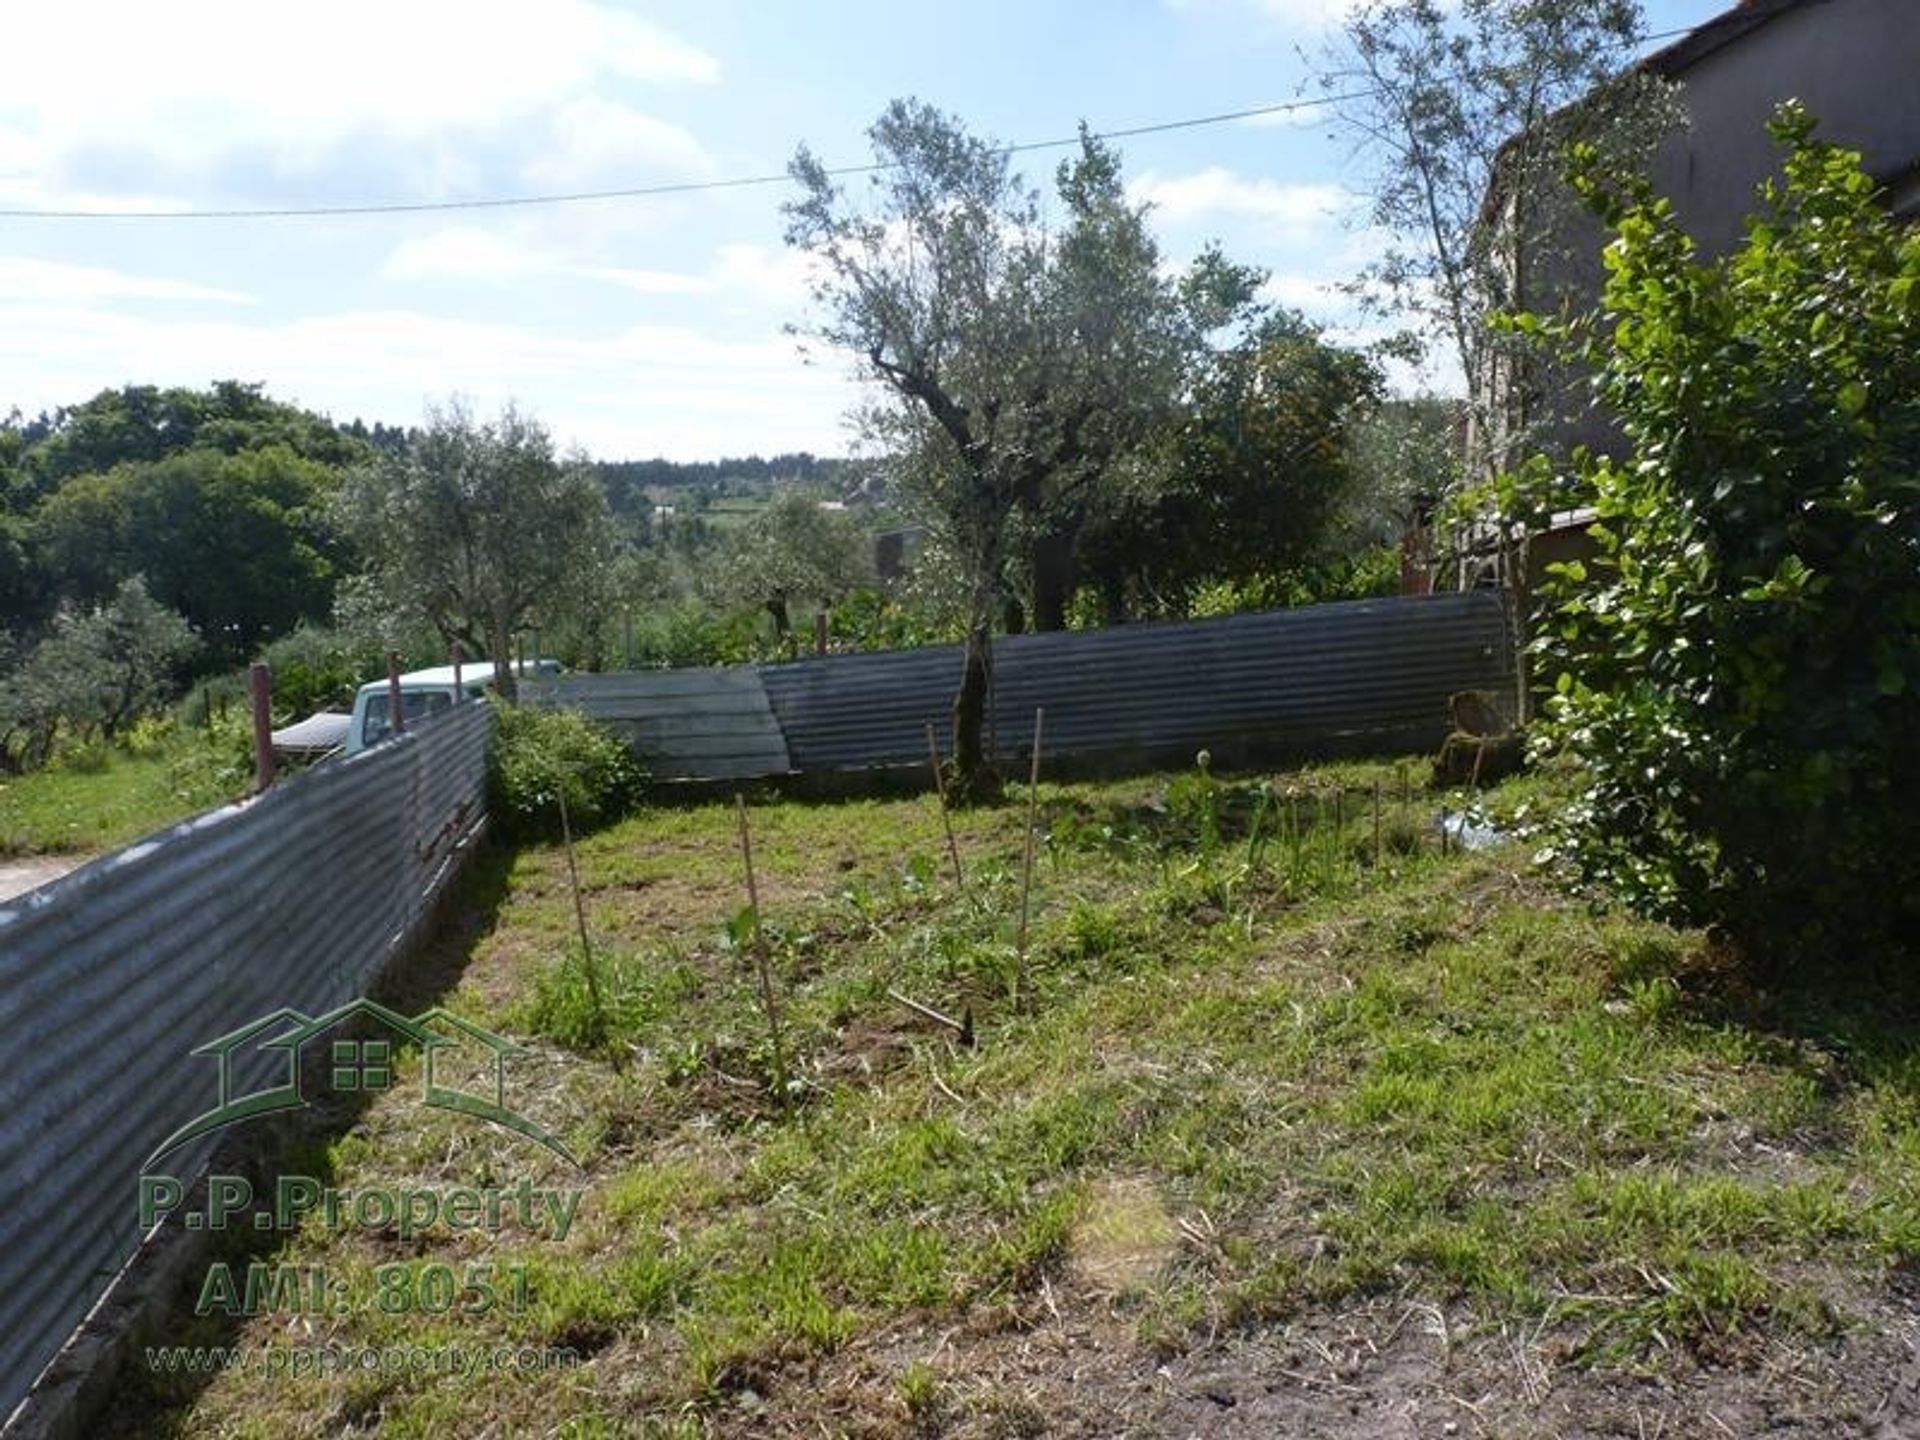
(1854, 63)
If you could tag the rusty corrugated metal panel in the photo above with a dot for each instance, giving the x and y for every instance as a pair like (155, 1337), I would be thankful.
(112, 974)
(1322, 679)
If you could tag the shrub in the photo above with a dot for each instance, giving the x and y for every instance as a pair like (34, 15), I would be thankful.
(95, 673)
(538, 755)
(316, 669)
(1739, 668)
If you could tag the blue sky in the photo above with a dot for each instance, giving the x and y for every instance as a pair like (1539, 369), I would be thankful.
(633, 327)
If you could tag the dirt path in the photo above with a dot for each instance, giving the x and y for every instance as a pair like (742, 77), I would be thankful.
(17, 877)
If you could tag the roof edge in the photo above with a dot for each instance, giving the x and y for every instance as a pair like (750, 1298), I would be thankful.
(1713, 34)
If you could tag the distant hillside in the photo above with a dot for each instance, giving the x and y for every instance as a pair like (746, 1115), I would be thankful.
(634, 486)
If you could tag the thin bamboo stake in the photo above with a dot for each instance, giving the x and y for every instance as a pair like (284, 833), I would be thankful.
(580, 917)
(1026, 865)
(946, 816)
(761, 963)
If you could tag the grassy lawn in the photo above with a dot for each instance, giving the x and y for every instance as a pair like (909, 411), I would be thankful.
(1299, 1126)
(105, 797)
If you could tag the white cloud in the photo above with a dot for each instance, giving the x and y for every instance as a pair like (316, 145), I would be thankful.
(459, 252)
(1302, 292)
(1298, 208)
(1297, 117)
(1308, 14)
(649, 282)
(633, 391)
(1292, 14)
(42, 282)
(744, 276)
(594, 142)
(404, 68)
(235, 96)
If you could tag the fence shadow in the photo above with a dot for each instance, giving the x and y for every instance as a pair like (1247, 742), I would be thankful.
(146, 1401)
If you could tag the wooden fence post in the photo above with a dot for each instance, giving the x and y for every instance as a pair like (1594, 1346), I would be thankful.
(396, 715)
(260, 687)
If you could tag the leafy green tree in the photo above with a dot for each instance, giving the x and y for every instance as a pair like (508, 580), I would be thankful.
(241, 543)
(144, 422)
(1739, 668)
(1461, 116)
(1254, 471)
(1405, 456)
(96, 672)
(938, 287)
(477, 530)
(1129, 336)
(1023, 367)
(795, 551)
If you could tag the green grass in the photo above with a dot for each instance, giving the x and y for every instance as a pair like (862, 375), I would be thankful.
(1265, 1068)
(100, 796)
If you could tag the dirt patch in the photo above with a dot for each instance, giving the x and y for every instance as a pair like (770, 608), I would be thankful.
(1067, 1363)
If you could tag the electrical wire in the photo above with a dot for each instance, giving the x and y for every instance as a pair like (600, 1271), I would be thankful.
(683, 187)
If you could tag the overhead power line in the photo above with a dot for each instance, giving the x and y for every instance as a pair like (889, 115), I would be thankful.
(679, 187)
(637, 192)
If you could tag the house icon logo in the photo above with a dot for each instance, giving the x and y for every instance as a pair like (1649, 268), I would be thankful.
(356, 1045)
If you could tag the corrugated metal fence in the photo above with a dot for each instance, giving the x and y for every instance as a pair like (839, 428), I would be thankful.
(1321, 679)
(1279, 684)
(712, 723)
(110, 976)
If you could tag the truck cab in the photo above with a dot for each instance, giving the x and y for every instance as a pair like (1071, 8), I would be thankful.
(424, 694)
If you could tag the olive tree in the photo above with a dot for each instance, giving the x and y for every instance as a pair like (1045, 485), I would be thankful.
(477, 529)
(794, 550)
(937, 285)
(96, 671)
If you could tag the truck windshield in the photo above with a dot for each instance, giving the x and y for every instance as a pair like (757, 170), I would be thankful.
(415, 705)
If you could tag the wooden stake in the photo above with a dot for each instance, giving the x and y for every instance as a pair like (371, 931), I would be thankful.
(761, 962)
(946, 818)
(396, 712)
(580, 918)
(1026, 865)
(260, 689)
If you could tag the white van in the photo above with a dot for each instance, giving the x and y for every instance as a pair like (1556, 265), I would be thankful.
(424, 694)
